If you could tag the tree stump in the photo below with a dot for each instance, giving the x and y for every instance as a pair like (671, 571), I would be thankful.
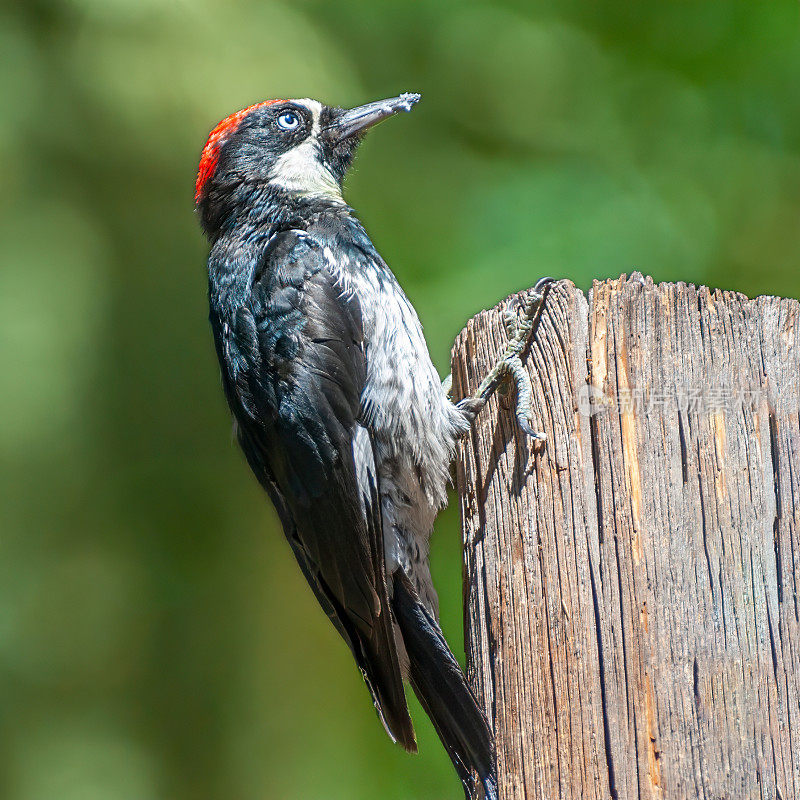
(631, 590)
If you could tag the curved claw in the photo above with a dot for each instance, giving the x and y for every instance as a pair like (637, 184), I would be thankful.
(538, 436)
(542, 282)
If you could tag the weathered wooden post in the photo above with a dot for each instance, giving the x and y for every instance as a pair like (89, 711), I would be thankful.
(633, 619)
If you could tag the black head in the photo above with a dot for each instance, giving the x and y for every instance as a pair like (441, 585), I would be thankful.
(299, 148)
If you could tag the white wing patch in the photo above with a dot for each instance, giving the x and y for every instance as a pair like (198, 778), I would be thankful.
(364, 459)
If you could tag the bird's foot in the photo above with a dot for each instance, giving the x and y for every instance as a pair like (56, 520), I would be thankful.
(509, 367)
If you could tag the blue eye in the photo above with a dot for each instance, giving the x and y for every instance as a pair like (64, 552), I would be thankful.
(288, 121)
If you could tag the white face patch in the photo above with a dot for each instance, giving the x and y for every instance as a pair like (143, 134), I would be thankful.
(301, 169)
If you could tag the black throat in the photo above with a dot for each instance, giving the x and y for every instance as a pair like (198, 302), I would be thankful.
(246, 208)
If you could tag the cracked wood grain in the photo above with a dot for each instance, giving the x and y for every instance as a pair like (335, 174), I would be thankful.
(633, 620)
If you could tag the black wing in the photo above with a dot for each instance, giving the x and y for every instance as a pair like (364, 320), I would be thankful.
(294, 369)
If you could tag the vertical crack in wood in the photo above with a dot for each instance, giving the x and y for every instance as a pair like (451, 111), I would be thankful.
(774, 449)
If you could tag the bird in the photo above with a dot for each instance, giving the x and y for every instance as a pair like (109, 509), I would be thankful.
(336, 403)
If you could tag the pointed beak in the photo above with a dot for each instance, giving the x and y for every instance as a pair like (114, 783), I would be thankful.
(356, 120)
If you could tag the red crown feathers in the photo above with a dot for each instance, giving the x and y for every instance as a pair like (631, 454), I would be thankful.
(210, 154)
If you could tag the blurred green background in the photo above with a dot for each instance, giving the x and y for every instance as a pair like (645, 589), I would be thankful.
(156, 638)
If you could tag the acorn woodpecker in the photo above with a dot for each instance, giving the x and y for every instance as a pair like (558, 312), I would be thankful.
(336, 404)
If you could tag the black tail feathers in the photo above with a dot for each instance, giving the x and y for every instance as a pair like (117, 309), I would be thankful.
(442, 689)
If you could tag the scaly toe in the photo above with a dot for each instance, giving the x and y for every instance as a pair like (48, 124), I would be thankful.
(510, 322)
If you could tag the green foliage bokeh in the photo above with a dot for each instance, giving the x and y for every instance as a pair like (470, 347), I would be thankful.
(156, 640)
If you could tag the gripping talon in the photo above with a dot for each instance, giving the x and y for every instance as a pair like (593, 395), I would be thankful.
(510, 364)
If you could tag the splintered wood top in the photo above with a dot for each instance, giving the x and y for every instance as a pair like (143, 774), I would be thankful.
(633, 622)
